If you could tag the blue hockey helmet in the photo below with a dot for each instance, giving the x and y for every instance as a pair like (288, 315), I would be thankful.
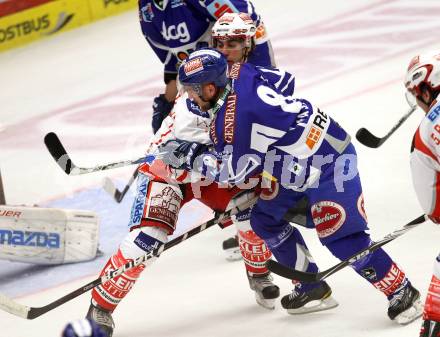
(204, 66)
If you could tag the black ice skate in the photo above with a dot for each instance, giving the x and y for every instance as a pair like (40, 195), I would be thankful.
(103, 318)
(405, 305)
(304, 301)
(265, 290)
(232, 249)
(430, 329)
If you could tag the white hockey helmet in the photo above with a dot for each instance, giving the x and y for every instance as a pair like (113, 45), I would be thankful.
(234, 25)
(423, 70)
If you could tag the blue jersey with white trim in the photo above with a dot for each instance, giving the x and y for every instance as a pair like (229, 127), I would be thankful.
(261, 126)
(175, 28)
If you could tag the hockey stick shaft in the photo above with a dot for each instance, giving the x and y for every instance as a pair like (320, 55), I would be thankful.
(118, 195)
(124, 191)
(2, 192)
(26, 312)
(306, 277)
(64, 161)
(368, 139)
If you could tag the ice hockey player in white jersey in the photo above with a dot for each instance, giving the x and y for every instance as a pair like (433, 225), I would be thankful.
(162, 191)
(423, 87)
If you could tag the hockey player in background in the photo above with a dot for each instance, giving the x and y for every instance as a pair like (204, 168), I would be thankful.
(422, 82)
(256, 129)
(174, 29)
(162, 191)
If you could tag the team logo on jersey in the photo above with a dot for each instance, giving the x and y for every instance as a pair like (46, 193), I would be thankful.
(361, 207)
(328, 217)
(147, 13)
(193, 66)
(229, 124)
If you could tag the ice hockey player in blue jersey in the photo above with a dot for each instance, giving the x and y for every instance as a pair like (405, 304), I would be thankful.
(175, 28)
(259, 130)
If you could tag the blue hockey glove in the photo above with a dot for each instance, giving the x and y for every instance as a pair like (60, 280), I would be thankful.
(83, 328)
(161, 109)
(182, 154)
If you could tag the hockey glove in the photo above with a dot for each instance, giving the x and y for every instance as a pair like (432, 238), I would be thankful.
(83, 328)
(161, 109)
(182, 154)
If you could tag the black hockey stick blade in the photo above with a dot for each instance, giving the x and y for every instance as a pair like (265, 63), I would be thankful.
(58, 152)
(27, 312)
(366, 138)
(306, 277)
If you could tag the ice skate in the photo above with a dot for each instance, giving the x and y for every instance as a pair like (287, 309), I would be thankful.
(430, 329)
(304, 300)
(232, 249)
(405, 305)
(265, 290)
(103, 318)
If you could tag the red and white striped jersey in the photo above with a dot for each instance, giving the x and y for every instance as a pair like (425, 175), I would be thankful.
(425, 162)
(180, 124)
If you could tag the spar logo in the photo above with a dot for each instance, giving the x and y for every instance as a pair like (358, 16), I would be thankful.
(34, 25)
(29, 239)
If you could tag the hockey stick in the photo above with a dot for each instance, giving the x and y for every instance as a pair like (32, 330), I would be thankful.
(306, 277)
(63, 160)
(2, 192)
(111, 189)
(368, 139)
(26, 312)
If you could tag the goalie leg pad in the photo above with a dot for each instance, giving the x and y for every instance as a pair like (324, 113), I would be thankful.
(47, 235)
(135, 244)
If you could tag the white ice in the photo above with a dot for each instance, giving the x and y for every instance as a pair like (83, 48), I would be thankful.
(94, 87)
